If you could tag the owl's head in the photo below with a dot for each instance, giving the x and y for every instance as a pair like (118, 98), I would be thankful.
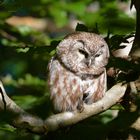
(83, 53)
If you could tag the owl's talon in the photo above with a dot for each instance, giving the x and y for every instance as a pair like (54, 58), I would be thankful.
(80, 108)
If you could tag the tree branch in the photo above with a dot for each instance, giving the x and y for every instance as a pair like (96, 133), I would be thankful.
(7, 103)
(36, 125)
(68, 118)
(21, 118)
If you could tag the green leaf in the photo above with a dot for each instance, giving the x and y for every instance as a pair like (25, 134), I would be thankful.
(7, 127)
(25, 102)
(59, 15)
(81, 27)
(31, 81)
(24, 30)
(77, 8)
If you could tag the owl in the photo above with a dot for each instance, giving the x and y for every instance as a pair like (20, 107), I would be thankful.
(77, 73)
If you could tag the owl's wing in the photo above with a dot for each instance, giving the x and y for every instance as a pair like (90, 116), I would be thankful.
(64, 87)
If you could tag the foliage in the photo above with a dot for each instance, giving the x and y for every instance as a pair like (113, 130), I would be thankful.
(25, 52)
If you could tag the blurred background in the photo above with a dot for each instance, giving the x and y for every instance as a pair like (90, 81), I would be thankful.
(29, 33)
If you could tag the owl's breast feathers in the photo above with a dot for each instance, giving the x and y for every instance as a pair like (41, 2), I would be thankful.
(68, 90)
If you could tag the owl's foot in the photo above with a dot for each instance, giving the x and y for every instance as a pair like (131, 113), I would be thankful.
(80, 106)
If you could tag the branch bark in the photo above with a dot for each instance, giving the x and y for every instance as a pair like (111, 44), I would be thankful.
(21, 118)
(68, 118)
(36, 125)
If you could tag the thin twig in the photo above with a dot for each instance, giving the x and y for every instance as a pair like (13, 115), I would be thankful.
(2, 91)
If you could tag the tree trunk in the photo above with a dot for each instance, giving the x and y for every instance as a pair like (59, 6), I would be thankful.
(135, 52)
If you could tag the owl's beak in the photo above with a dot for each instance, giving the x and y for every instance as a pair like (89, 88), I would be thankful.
(89, 62)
